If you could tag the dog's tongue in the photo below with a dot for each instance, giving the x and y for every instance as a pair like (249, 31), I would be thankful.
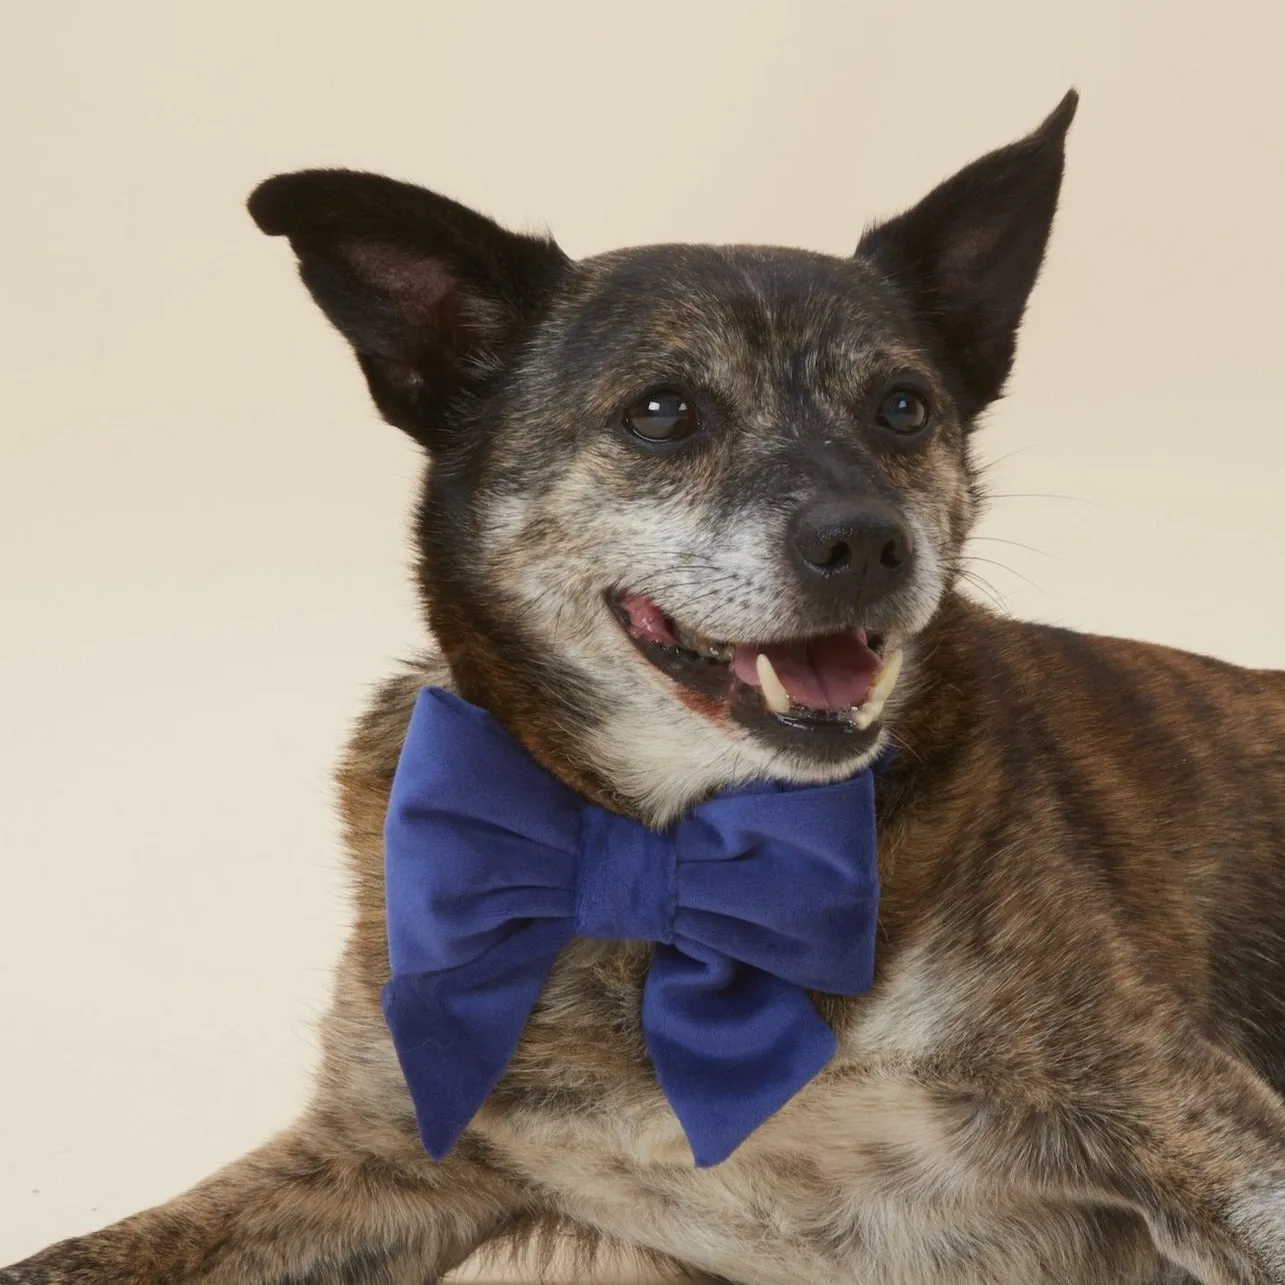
(835, 671)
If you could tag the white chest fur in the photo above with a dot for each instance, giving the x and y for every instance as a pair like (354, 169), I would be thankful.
(859, 1179)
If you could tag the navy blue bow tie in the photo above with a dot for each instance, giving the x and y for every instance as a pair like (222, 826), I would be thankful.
(493, 866)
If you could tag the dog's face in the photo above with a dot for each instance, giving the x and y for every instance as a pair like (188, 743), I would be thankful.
(689, 507)
(721, 489)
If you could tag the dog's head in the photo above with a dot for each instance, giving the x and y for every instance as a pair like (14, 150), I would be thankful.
(689, 507)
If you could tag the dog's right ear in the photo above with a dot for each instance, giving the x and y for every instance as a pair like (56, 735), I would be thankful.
(431, 295)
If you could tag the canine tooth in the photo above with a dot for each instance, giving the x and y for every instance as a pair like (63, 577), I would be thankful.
(775, 697)
(866, 714)
(886, 678)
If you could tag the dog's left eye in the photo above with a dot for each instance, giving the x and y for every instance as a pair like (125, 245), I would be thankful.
(902, 411)
(663, 415)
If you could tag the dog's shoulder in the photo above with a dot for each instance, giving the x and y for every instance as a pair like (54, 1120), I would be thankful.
(1073, 679)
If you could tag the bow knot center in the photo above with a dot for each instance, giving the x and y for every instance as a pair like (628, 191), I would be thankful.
(626, 888)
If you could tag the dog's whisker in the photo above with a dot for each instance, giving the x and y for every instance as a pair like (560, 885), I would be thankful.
(1003, 566)
(984, 586)
(1039, 495)
(1016, 544)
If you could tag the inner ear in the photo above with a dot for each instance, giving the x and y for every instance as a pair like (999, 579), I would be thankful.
(432, 296)
(388, 301)
(418, 282)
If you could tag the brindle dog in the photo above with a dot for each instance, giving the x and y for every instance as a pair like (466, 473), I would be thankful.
(648, 470)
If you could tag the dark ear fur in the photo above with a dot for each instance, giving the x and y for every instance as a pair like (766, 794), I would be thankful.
(430, 294)
(968, 254)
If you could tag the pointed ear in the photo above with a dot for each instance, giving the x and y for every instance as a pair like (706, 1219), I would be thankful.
(968, 254)
(431, 295)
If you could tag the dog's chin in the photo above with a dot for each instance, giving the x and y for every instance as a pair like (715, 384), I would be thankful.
(812, 707)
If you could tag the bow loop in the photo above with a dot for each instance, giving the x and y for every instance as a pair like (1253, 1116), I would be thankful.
(815, 844)
(502, 864)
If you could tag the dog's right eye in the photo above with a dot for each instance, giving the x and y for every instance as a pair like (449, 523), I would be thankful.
(664, 415)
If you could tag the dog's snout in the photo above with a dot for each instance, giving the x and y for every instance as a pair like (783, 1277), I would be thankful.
(861, 551)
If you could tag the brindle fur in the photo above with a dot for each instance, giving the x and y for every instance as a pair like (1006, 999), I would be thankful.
(1069, 1069)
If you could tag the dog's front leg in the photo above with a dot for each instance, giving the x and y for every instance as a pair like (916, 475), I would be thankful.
(299, 1211)
(1211, 1175)
(1186, 1136)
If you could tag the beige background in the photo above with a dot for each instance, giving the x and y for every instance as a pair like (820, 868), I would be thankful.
(202, 524)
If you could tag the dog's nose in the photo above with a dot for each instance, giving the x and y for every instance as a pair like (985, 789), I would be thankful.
(862, 550)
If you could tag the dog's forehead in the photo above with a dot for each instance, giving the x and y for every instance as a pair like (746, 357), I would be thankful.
(710, 303)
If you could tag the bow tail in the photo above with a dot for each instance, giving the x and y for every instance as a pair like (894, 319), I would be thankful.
(455, 1029)
(731, 1044)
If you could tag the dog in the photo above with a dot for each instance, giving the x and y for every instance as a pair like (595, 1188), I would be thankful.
(695, 516)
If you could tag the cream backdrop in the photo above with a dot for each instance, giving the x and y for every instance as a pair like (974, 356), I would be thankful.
(203, 525)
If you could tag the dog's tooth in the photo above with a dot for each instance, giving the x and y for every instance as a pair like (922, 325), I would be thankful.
(775, 697)
(701, 644)
(886, 679)
(864, 715)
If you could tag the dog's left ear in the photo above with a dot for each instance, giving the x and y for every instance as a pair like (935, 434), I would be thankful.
(432, 295)
(966, 257)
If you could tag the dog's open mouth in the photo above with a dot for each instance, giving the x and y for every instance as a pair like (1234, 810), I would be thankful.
(839, 681)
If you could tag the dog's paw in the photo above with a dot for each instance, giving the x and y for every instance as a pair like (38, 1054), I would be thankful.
(30, 1274)
(34, 1273)
(67, 1263)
